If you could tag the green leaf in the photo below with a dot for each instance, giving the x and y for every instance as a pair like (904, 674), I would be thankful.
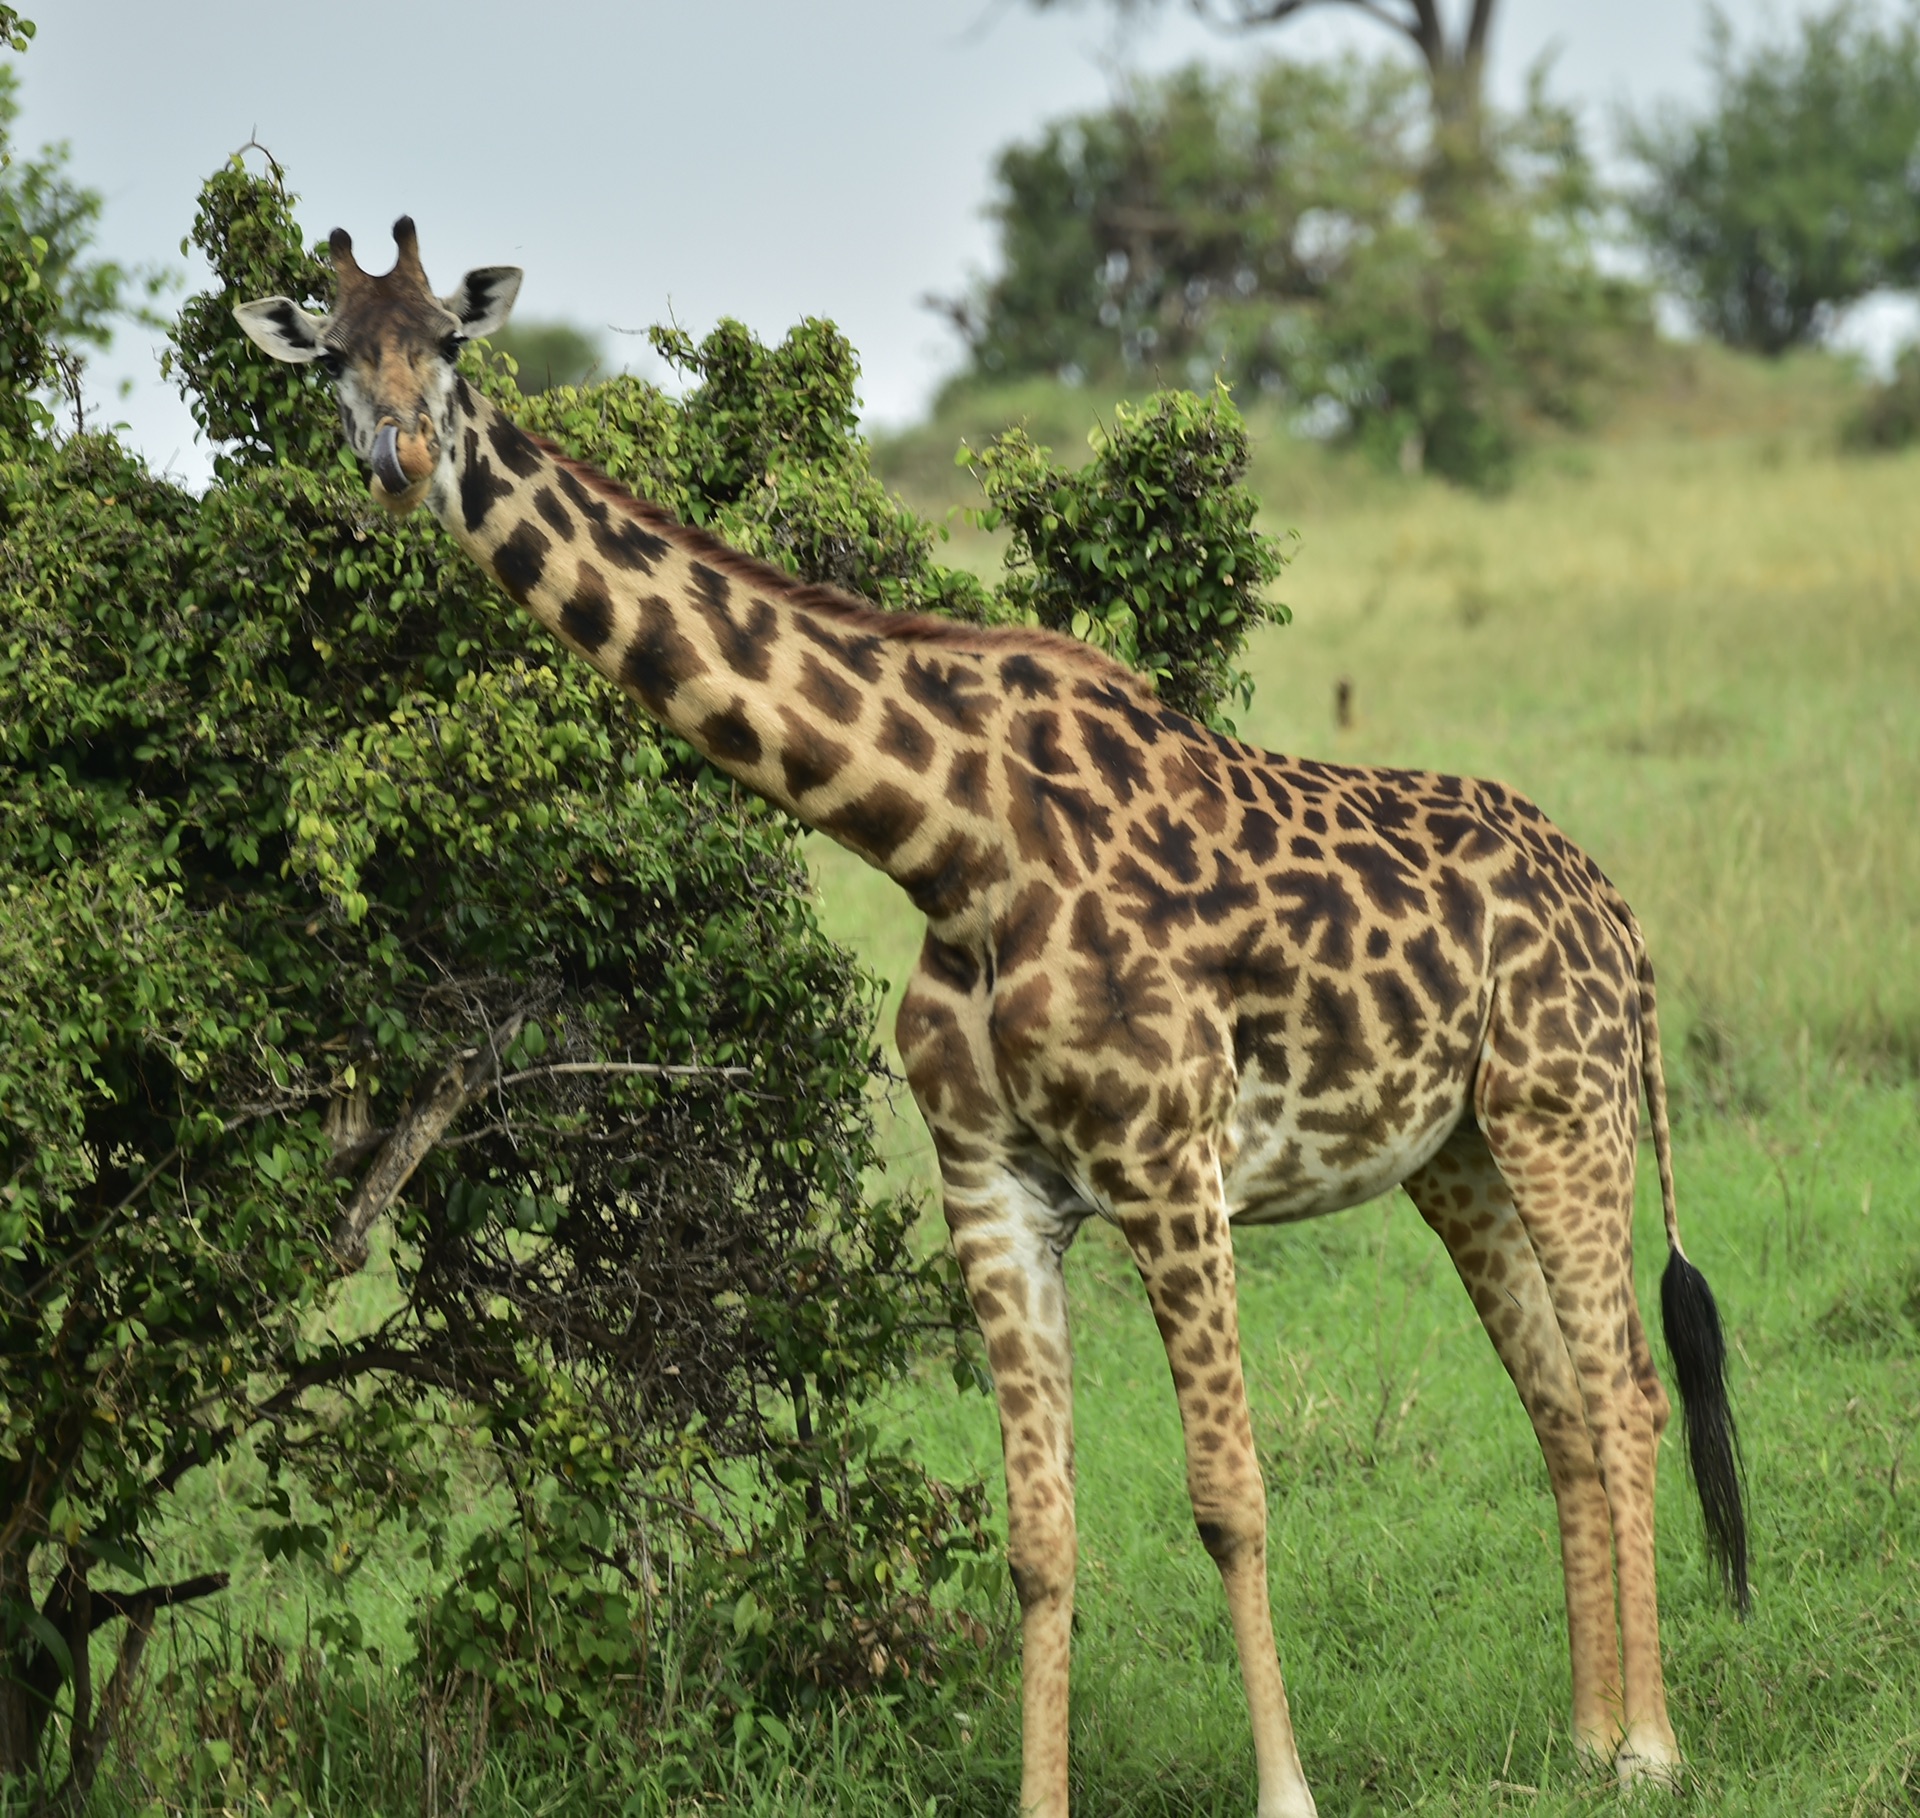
(52, 1640)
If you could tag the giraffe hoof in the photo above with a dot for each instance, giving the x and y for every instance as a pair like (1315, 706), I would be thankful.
(1649, 1762)
(1596, 1751)
(1288, 1802)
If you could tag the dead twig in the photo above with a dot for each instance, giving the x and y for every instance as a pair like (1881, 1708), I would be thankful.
(643, 1069)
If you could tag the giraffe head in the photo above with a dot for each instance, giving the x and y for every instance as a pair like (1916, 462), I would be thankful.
(389, 347)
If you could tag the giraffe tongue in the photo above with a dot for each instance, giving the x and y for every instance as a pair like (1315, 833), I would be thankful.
(386, 459)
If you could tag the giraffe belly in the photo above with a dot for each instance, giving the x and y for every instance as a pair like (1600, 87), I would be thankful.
(1284, 1161)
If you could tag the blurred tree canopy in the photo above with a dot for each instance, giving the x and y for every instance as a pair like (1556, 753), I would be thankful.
(61, 301)
(546, 354)
(1888, 417)
(1797, 190)
(1284, 227)
(1454, 57)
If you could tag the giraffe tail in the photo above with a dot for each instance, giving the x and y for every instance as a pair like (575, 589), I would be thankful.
(1691, 1322)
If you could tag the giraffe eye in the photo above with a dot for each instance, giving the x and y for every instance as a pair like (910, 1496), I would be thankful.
(451, 346)
(331, 364)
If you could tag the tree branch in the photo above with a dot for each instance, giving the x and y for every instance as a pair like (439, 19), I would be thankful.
(139, 1606)
(1429, 32)
(358, 1362)
(1418, 21)
(645, 1069)
(1477, 30)
(90, 1749)
(1251, 15)
(80, 1625)
(470, 1074)
(461, 1081)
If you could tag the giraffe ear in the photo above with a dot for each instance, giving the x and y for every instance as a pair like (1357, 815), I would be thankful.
(283, 329)
(483, 298)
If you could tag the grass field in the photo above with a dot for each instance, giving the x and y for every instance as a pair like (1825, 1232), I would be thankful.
(1695, 640)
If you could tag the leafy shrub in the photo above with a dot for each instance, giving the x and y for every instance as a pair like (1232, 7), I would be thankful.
(1889, 415)
(1148, 550)
(298, 821)
(766, 451)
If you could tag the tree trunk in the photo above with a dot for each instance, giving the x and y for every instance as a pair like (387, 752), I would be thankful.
(1456, 60)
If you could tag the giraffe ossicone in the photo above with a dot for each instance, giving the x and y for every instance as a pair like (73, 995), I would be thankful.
(1168, 980)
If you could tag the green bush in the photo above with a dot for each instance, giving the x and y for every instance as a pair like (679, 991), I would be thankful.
(1889, 415)
(1147, 551)
(766, 451)
(298, 822)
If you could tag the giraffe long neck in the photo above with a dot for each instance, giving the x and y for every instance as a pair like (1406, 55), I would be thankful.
(871, 729)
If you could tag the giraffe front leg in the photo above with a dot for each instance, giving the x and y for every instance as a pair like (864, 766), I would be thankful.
(1011, 1245)
(1184, 1252)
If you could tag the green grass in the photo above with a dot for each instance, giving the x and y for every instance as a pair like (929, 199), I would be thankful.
(1415, 1574)
(1695, 639)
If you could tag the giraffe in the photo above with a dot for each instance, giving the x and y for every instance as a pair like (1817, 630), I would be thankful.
(1168, 980)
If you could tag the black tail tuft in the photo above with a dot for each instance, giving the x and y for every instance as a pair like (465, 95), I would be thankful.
(1692, 1324)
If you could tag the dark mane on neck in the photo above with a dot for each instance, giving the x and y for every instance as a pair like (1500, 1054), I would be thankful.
(845, 609)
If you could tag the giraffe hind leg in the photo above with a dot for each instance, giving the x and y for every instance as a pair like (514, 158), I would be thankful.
(1570, 1173)
(1464, 1197)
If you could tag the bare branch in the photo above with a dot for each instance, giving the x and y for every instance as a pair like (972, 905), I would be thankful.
(1418, 21)
(1252, 15)
(468, 1076)
(461, 1081)
(140, 1605)
(645, 1069)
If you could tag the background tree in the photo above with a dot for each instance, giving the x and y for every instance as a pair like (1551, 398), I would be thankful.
(546, 354)
(1797, 191)
(1280, 226)
(1888, 417)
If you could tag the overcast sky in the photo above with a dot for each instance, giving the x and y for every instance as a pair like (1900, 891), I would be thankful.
(758, 158)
